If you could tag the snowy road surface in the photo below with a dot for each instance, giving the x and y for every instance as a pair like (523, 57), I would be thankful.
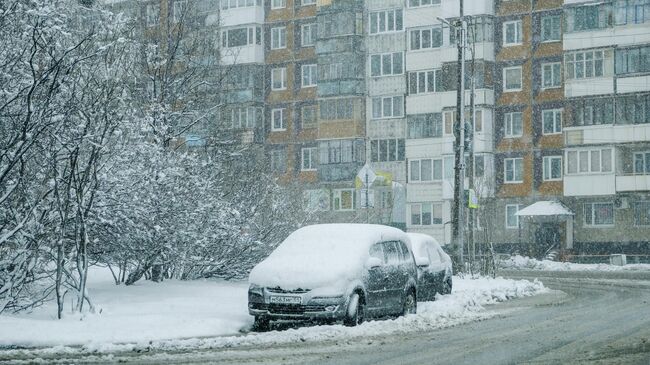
(602, 319)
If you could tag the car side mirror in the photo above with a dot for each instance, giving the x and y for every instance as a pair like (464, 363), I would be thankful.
(373, 262)
(422, 261)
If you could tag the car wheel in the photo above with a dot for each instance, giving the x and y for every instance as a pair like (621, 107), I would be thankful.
(261, 324)
(410, 304)
(446, 286)
(354, 313)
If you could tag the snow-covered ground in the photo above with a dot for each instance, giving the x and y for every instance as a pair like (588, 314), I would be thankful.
(527, 263)
(201, 314)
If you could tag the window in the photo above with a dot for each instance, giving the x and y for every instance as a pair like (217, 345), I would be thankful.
(279, 78)
(278, 4)
(633, 60)
(633, 109)
(632, 11)
(308, 34)
(421, 82)
(551, 75)
(416, 3)
(308, 2)
(388, 107)
(278, 119)
(309, 75)
(278, 160)
(386, 64)
(551, 28)
(343, 199)
(336, 109)
(278, 37)
(316, 200)
(232, 4)
(512, 78)
(584, 65)
(180, 6)
(383, 150)
(426, 214)
(642, 163)
(513, 170)
(386, 21)
(152, 15)
(426, 38)
(599, 214)
(513, 124)
(588, 17)
(245, 117)
(512, 220)
(552, 168)
(308, 116)
(425, 170)
(642, 213)
(593, 111)
(589, 161)
(479, 165)
(552, 121)
(340, 151)
(331, 71)
(424, 125)
(308, 160)
(512, 34)
(239, 37)
(450, 120)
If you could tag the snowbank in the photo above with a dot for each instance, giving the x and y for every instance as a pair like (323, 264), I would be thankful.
(323, 255)
(526, 263)
(138, 318)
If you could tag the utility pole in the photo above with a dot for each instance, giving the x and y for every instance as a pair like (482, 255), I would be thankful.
(457, 221)
(470, 147)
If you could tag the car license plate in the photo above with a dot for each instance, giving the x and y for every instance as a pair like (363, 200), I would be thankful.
(286, 300)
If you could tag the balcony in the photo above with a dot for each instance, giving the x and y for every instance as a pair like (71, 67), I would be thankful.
(243, 15)
(339, 172)
(606, 134)
(629, 183)
(243, 55)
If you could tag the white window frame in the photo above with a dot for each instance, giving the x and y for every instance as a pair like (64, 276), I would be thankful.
(336, 194)
(393, 100)
(179, 9)
(279, 37)
(591, 222)
(283, 78)
(392, 64)
(556, 114)
(589, 153)
(421, 46)
(431, 206)
(307, 29)
(152, 14)
(308, 155)
(550, 21)
(430, 78)
(548, 168)
(519, 36)
(571, 64)
(521, 79)
(637, 214)
(509, 124)
(551, 72)
(313, 124)
(283, 121)
(432, 162)
(379, 14)
(644, 156)
(278, 4)
(312, 75)
(518, 208)
(422, 3)
(278, 154)
(513, 160)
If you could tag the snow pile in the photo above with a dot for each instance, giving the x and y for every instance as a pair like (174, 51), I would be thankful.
(526, 263)
(321, 255)
(99, 333)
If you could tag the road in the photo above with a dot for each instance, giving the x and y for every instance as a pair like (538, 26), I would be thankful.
(599, 318)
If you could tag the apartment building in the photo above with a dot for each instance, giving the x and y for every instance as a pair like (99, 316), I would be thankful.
(607, 130)
(385, 108)
(528, 119)
(431, 72)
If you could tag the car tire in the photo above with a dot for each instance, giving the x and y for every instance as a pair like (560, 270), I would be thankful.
(354, 312)
(410, 303)
(447, 285)
(261, 324)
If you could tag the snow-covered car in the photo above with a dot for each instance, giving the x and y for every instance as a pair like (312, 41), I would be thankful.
(434, 266)
(332, 272)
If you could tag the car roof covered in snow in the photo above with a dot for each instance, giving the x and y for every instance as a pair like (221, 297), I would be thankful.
(321, 254)
(418, 242)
